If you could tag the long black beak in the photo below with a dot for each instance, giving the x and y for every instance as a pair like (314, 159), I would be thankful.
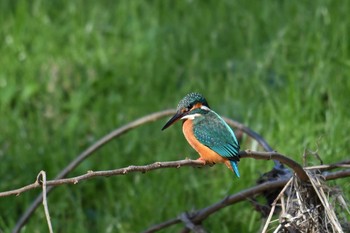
(175, 118)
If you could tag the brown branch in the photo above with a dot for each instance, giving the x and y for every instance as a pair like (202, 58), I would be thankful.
(337, 174)
(200, 215)
(297, 168)
(190, 225)
(115, 172)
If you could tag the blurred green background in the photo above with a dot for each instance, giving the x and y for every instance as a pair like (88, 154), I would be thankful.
(72, 71)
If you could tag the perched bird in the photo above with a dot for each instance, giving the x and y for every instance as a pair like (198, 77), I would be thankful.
(206, 132)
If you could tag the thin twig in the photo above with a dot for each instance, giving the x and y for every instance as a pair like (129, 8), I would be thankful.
(326, 167)
(42, 174)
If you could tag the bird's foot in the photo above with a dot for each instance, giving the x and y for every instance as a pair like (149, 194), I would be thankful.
(201, 160)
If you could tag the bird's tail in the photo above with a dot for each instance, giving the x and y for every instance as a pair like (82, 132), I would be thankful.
(235, 167)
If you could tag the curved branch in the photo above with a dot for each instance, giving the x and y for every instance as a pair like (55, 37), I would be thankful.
(297, 168)
(202, 214)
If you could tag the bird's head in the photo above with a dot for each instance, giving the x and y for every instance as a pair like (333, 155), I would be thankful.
(188, 108)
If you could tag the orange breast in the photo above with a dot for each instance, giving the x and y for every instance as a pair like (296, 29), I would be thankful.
(205, 152)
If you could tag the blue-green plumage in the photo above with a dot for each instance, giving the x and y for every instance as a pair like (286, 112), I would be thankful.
(211, 130)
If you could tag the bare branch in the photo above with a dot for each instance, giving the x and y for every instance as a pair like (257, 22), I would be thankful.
(326, 167)
(337, 175)
(157, 165)
(190, 225)
(107, 173)
(297, 168)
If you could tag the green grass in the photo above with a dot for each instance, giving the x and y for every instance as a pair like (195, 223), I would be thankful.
(72, 71)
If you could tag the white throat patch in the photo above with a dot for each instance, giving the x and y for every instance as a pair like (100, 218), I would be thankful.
(191, 116)
(205, 108)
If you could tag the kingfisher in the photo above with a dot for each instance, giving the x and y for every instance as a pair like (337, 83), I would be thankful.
(207, 132)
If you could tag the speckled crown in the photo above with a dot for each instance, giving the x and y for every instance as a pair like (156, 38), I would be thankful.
(191, 99)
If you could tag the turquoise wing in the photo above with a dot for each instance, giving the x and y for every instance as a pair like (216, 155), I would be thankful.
(211, 130)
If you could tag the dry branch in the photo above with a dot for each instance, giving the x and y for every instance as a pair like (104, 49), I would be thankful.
(120, 171)
(297, 168)
(154, 166)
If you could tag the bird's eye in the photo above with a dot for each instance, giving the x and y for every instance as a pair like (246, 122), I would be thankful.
(186, 109)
